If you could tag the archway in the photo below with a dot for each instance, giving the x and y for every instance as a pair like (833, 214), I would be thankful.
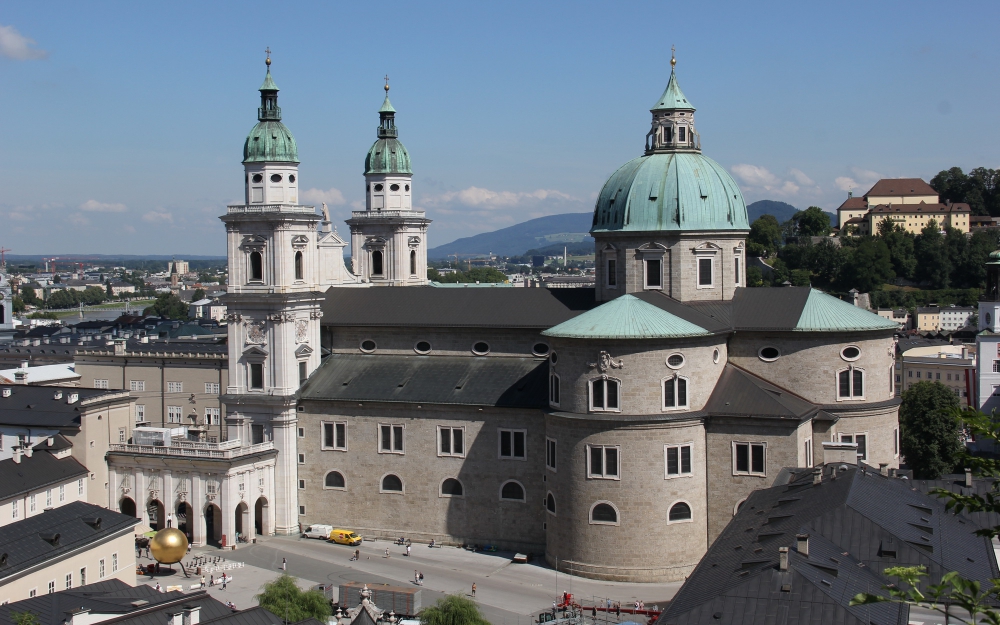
(213, 524)
(242, 519)
(157, 520)
(185, 519)
(260, 517)
(127, 506)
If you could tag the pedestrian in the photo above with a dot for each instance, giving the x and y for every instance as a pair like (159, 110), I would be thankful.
(284, 564)
(357, 554)
(387, 552)
(416, 577)
(211, 580)
(473, 589)
(202, 581)
(407, 550)
(157, 587)
(224, 580)
(421, 578)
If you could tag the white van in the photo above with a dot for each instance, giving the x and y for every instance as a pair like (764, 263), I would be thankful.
(318, 531)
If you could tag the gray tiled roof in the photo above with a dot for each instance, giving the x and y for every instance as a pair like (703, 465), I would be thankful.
(38, 471)
(742, 394)
(35, 406)
(510, 382)
(111, 596)
(24, 546)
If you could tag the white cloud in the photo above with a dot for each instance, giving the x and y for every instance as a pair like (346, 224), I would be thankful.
(800, 177)
(158, 217)
(93, 206)
(487, 199)
(755, 176)
(14, 45)
(860, 181)
(78, 220)
(331, 196)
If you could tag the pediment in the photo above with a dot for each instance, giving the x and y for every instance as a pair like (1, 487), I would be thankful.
(255, 350)
(302, 351)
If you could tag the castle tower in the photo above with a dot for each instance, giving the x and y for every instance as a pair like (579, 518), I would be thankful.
(389, 238)
(671, 220)
(273, 302)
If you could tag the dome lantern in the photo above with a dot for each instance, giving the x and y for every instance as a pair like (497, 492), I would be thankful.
(673, 120)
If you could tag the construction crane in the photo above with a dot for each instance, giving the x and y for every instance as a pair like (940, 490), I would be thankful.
(469, 261)
(50, 263)
(3, 257)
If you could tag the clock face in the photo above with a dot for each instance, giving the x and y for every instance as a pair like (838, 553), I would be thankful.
(1, 296)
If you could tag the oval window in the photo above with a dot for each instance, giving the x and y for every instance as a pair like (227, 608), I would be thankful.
(291, 178)
(851, 352)
(481, 348)
(378, 187)
(553, 358)
(989, 319)
(675, 361)
(422, 347)
(407, 187)
(540, 349)
(394, 187)
(368, 346)
(258, 178)
(768, 354)
(715, 356)
(275, 177)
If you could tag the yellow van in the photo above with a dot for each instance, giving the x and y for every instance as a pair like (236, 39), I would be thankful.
(345, 537)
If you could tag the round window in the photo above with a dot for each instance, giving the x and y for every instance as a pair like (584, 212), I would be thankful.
(291, 178)
(422, 347)
(407, 187)
(767, 354)
(481, 348)
(553, 358)
(850, 352)
(368, 346)
(394, 187)
(675, 361)
(540, 349)
(715, 356)
(258, 178)
(378, 187)
(275, 177)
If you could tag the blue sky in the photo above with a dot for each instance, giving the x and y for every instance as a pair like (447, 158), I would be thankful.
(124, 121)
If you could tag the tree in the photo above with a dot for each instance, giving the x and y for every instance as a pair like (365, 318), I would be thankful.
(900, 244)
(284, 599)
(168, 305)
(754, 276)
(765, 236)
(929, 432)
(453, 610)
(17, 304)
(24, 618)
(868, 268)
(28, 296)
(93, 295)
(933, 264)
(199, 294)
(812, 222)
(57, 278)
(66, 298)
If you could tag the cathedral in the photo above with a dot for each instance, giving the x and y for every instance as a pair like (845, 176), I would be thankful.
(614, 430)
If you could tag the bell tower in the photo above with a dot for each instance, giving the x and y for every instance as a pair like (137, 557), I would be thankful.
(273, 301)
(389, 237)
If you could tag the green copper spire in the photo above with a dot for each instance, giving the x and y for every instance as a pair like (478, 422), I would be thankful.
(268, 83)
(387, 155)
(673, 98)
(270, 140)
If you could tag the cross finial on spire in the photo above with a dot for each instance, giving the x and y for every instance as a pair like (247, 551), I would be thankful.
(673, 57)
(267, 61)
(387, 83)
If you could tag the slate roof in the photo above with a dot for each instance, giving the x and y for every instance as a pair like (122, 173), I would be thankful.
(854, 203)
(741, 394)
(38, 471)
(24, 546)
(859, 523)
(901, 186)
(626, 317)
(801, 309)
(111, 596)
(508, 382)
(431, 307)
(956, 484)
(34, 406)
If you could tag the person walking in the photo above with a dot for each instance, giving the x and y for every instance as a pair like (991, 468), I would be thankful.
(224, 580)
(473, 589)
(387, 552)
(407, 550)
(284, 564)
(202, 581)
(421, 578)
(416, 577)
(211, 580)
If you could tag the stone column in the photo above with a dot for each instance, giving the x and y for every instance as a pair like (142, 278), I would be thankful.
(285, 488)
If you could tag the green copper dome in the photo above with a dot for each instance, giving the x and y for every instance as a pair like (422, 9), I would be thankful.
(270, 140)
(387, 155)
(671, 191)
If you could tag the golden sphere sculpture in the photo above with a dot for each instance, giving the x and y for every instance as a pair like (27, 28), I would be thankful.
(169, 545)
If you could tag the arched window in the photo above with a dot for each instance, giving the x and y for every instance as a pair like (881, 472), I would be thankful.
(604, 395)
(413, 262)
(675, 393)
(512, 491)
(554, 389)
(851, 383)
(334, 479)
(604, 512)
(680, 511)
(452, 488)
(550, 504)
(392, 484)
(377, 263)
(256, 266)
(299, 272)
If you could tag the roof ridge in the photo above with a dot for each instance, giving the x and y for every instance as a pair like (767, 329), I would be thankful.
(781, 388)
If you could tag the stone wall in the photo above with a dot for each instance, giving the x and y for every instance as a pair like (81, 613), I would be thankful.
(444, 341)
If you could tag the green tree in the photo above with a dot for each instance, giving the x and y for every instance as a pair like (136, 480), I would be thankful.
(933, 264)
(900, 244)
(929, 430)
(812, 222)
(754, 276)
(199, 294)
(765, 236)
(800, 277)
(93, 295)
(168, 305)
(28, 296)
(43, 315)
(453, 610)
(17, 304)
(476, 274)
(66, 298)
(283, 598)
(57, 279)
(868, 268)
(24, 618)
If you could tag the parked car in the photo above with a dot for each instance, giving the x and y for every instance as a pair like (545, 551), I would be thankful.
(318, 531)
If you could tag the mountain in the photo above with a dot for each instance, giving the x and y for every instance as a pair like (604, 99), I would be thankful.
(517, 239)
(781, 211)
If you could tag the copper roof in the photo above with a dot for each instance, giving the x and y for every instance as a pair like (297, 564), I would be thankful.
(902, 187)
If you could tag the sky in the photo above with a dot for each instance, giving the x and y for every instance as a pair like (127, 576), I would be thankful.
(124, 122)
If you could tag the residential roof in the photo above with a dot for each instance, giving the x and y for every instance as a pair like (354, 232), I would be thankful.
(35, 406)
(430, 307)
(858, 523)
(38, 471)
(626, 317)
(901, 187)
(920, 208)
(853, 203)
(66, 529)
(508, 382)
(42, 373)
(111, 596)
(739, 393)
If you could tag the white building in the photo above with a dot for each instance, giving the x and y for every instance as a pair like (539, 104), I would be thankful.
(955, 317)
(40, 477)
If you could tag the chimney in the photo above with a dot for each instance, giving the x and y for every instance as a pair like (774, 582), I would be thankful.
(5, 392)
(78, 616)
(119, 347)
(968, 478)
(72, 398)
(28, 450)
(57, 395)
(802, 544)
(23, 365)
(20, 376)
(177, 618)
(17, 455)
(782, 558)
(192, 614)
(818, 476)
(883, 468)
(965, 352)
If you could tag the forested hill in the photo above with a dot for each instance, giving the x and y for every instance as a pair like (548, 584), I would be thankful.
(781, 211)
(517, 239)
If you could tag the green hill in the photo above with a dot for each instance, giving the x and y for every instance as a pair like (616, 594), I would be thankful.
(781, 211)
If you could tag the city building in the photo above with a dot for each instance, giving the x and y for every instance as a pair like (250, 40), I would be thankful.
(120, 288)
(179, 267)
(207, 308)
(900, 315)
(38, 477)
(908, 202)
(7, 326)
(62, 374)
(951, 365)
(927, 319)
(955, 317)
(65, 547)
